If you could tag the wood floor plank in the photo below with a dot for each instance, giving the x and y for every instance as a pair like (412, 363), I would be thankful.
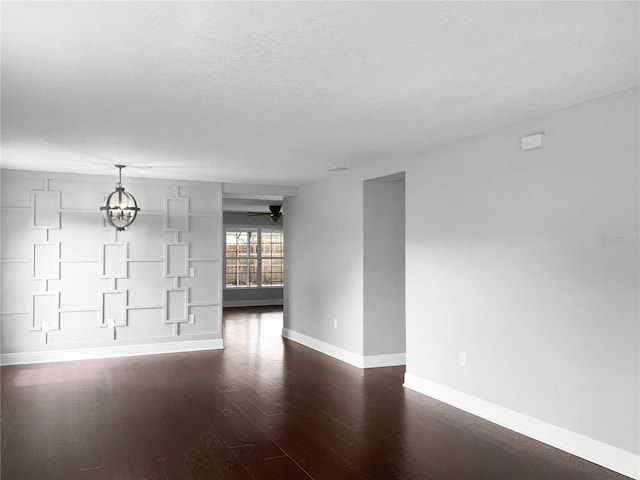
(265, 408)
(256, 462)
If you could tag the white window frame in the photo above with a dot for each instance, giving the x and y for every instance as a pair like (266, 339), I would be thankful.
(257, 231)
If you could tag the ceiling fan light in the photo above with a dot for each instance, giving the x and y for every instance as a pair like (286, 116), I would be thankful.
(275, 217)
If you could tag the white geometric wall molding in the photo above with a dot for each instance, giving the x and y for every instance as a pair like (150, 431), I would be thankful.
(67, 277)
(18, 289)
(19, 246)
(152, 274)
(176, 301)
(45, 214)
(113, 305)
(45, 313)
(114, 260)
(195, 326)
(46, 261)
(45, 208)
(80, 285)
(177, 214)
(200, 293)
(176, 260)
(204, 238)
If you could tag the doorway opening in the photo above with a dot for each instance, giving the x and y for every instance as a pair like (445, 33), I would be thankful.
(384, 271)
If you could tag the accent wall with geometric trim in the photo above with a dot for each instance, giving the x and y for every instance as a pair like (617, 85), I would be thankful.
(73, 287)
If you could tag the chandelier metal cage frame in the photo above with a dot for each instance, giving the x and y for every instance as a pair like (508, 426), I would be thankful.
(120, 208)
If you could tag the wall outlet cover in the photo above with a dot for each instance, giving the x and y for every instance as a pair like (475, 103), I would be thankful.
(533, 141)
(462, 359)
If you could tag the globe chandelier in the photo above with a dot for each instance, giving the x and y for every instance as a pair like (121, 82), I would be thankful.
(120, 209)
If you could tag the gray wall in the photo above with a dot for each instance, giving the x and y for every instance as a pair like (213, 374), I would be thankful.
(237, 297)
(384, 270)
(325, 262)
(525, 260)
(512, 261)
(63, 266)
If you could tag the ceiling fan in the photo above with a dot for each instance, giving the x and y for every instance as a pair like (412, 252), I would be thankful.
(274, 213)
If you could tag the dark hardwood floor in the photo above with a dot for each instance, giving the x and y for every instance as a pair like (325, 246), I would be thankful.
(264, 408)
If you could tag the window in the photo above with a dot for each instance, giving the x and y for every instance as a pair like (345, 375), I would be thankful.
(254, 257)
(271, 258)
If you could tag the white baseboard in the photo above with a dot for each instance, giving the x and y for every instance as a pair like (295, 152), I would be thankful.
(252, 303)
(326, 348)
(595, 451)
(388, 360)
(360, 361)
(109, 352)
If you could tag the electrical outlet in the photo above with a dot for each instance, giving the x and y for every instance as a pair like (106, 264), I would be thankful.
(192, 272)
(192, 318)
(335, 323)
(45, 326)
(462, 359)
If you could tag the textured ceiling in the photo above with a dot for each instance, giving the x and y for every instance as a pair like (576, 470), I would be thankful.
(280, 92)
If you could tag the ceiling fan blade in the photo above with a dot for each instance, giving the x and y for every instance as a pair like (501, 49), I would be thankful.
(274, 213)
